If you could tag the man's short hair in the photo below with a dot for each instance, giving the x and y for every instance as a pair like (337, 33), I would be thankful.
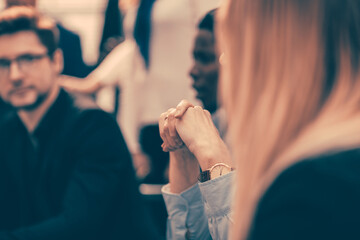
(22, 18)
(208, 22)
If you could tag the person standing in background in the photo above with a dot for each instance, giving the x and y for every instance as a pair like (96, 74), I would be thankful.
(112, 34)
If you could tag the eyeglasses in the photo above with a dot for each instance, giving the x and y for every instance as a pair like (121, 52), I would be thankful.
(24, 62)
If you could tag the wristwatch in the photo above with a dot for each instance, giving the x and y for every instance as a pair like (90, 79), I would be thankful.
(215, 171)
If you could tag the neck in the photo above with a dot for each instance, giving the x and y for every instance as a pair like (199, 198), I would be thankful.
(32, 118)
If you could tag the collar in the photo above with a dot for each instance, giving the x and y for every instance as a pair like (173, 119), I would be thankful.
(53, 116)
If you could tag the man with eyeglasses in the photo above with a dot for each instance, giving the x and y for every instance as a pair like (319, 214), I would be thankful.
(69, 43)
(65, 171)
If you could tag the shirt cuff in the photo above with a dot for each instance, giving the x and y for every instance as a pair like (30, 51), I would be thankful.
(181, 202)
(217, 195)
(187, 219)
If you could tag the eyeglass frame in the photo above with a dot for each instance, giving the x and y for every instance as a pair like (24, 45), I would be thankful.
(26, 60)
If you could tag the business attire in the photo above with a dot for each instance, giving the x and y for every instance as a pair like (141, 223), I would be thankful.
(72, 178)
(70, 44)
(5, 112)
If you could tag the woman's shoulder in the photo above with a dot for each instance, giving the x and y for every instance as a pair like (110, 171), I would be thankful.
(340, 165)
(321, 176)
(330, 164)
(316, 198)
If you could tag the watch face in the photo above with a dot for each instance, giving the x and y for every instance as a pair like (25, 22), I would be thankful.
(218, 171)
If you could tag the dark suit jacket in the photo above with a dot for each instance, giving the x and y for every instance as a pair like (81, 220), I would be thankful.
(70, 179)
(70, 44)
(318, 198)
(3, 107)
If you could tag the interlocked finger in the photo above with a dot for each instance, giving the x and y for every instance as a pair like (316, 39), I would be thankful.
(182, 107)
(168, 132)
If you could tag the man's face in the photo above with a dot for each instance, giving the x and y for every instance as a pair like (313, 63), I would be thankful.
(205, 71)
(27, 74)
(10, 3)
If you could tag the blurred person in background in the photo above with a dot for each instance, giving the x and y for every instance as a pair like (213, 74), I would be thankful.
(57, 179)
(294, 120)
(69, 43)
(205, 71)
(151, 67)
(112, 34)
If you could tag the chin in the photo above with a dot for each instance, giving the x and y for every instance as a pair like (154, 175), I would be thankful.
(26, 105)
(26, 101)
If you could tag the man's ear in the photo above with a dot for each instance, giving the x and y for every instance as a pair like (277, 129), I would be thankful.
(58, 61)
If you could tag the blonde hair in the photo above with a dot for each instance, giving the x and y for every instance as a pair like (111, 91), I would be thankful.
(290, 84)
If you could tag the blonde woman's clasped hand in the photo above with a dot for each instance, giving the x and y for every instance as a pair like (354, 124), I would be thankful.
(192, 126)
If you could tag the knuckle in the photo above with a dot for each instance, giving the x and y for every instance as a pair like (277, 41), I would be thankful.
(190, 110)
(162, 116)
(184, 101)
(166, 127)
(172, 112)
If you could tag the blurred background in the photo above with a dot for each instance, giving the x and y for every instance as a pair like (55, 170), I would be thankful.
(84, 17)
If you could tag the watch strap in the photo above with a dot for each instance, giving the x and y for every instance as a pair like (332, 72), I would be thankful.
(206, 175)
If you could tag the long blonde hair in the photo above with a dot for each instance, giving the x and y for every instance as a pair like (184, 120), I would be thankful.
(291, 86)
